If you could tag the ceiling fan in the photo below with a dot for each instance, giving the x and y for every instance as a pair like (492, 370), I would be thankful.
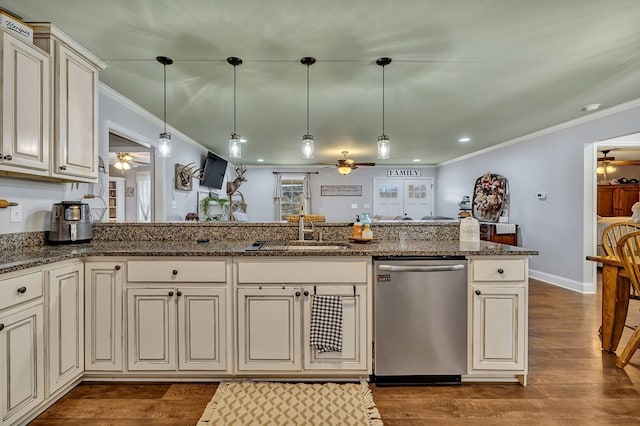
(124, 161)
(606, 160)
(346, 165)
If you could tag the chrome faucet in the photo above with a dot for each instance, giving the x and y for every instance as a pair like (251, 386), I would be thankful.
(301, 229)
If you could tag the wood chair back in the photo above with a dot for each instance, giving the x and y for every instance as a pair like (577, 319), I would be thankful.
(612, 233)
(629, 253)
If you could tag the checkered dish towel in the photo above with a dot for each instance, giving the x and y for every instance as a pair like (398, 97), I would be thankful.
(326, 323)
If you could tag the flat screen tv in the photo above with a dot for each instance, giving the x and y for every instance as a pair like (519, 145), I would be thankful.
(213, 172)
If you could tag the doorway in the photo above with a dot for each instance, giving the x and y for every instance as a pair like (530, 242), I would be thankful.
(131, 195)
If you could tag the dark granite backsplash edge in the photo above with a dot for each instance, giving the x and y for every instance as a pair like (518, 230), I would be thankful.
(19, 240)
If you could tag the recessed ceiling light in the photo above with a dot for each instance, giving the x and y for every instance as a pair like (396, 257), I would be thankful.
(415, 160)
(591, 107)
(464, 139)
(260, 160)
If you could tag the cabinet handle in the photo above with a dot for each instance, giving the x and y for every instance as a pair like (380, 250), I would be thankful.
(8, 157)
(117, 267)
(179, 293)
(501, 271)
(174, 272)
(170, 293)
(297, 294)
(63, 167)
(1, 327)
(22, 290)
(478, 292)
(306, 293)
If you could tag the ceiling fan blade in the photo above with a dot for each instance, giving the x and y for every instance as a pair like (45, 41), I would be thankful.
(625, 162)
(365, 164)
(606, 159)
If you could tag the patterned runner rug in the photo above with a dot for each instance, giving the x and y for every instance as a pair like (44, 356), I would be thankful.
(267, 403)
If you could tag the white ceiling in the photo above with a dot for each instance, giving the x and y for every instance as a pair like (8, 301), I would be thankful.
(493, 70)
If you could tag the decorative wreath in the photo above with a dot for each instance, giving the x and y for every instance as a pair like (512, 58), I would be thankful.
(490, 197)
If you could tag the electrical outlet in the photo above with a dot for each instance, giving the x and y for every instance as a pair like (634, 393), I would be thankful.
(354, 206)
(541, 195)
(16, 213)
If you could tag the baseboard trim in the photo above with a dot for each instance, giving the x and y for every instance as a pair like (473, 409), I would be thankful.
(577, 286)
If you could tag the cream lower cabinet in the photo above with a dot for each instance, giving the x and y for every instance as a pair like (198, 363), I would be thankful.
(174, 320)
(21, 346)
(498, 318)
(64, 302)
(103, 315)
(273, 317)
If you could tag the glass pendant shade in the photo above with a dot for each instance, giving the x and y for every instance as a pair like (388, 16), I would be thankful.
(344, 170)
(164, 147)
(307, 147)
(384, 147)
(235, 149)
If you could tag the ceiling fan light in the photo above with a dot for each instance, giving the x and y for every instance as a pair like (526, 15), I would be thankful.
(600, 170)
(307, 147)
(164, 147)
(235, 149)
(344, 170)
(384, 147)
(610, 169)
(118, 165)
(125, 166)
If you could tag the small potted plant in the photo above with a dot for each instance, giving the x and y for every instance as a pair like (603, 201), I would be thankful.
(207, 202)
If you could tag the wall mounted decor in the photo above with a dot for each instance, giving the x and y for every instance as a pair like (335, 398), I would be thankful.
(184, 176)
(490, 197)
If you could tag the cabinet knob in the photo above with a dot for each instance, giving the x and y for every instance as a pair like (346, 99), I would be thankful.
(306, 293)
(501, 271)
(63, 167)
(174, 272)
(170, 293)
(8, 157)
(117, 268)
(1, 327)
(478, 292)
(22, 290)
(297, 294)
(179, 293)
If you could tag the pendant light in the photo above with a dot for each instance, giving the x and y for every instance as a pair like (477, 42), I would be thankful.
(235, 149)
(164, 147)
(307, 139)
(383, 140)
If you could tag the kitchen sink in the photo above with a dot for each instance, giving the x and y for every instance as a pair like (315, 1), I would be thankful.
(297, 245)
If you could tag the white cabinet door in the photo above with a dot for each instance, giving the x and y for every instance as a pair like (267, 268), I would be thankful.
(269, 329)
(76, 138)
(26, 107)
(151, 329)
(22, 366)
(354, 330)
(65, 310)
(498, 327)
(103, 316)
(202, 332)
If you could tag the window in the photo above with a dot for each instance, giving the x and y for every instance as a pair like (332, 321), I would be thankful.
(291, 192)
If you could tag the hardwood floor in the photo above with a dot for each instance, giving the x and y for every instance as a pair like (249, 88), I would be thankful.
(571, 382)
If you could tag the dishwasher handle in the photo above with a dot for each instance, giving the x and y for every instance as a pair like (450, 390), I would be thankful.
(421, 268)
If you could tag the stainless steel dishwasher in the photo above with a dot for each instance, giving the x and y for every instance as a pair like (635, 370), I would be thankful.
(420, 320)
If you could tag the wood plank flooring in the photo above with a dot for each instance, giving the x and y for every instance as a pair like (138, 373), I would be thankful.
(571, 382)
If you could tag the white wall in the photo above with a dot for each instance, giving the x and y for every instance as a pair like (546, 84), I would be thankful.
(258, 190)
(552, 161)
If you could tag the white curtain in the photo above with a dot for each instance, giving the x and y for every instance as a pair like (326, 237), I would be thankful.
(277, 196)
(307, 193)
(143, 182)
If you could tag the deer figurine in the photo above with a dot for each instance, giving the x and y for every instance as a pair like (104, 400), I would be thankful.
(232, 187)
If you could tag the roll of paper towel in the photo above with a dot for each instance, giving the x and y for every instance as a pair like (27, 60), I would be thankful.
(469, 230)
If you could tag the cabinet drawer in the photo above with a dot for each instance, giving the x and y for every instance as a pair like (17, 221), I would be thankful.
(303, 272)
(20, 289)
(499, 270)
(176, 271)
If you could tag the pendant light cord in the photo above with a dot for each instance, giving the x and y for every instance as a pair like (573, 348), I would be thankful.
(383, 100)
(165, 97)
(307, 98)
(234, 99)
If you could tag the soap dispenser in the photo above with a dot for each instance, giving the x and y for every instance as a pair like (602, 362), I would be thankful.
(357, 228)
(367, 233)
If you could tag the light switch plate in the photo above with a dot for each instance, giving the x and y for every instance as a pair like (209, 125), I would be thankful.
(174, 204)
(16, 214)
(354, 206)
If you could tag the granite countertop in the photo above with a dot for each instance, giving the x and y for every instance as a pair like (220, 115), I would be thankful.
(13, 260)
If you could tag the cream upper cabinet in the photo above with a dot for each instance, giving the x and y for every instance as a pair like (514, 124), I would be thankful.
(64, 303)
(26, 107)
(75, 124)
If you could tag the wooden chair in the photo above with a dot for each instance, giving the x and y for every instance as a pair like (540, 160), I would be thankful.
(611, 234)
(629, 253)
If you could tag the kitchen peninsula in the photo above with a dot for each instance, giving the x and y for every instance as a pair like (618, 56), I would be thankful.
(150, 302)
